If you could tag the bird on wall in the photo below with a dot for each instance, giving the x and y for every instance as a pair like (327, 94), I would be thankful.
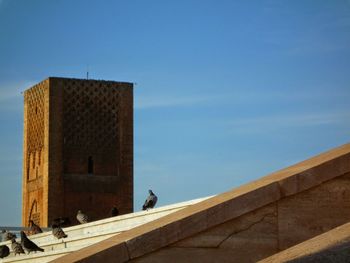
(114, 211)
(81, 217)
(4, 251)
(58, 232)
(16, 247)
(29, 245)
(61, 221)
(34, 228)
(150, 201)
(6, 235)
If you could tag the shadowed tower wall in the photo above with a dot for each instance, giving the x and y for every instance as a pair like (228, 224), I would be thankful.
(78, 149)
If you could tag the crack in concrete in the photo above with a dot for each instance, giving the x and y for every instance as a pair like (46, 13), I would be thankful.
(246, 228)
(233, 233)
(127, 250)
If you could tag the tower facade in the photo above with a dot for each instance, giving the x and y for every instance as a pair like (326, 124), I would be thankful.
(78, 149)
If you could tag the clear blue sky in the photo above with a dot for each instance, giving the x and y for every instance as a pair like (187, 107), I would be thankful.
(227, 91)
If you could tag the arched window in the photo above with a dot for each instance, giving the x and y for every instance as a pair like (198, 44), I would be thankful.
(34, 213)
(28, 172)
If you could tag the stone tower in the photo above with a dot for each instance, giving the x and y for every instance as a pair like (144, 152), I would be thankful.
(77, 150)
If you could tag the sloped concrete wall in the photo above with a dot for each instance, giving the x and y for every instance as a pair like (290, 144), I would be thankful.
(244, 224)
(265, 231)
(332, 246)
(339, 253)
(314, 212)
(253, 236)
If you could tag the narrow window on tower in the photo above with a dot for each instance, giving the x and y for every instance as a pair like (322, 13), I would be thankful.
(90, 165)
(28, 172)
(33, 160)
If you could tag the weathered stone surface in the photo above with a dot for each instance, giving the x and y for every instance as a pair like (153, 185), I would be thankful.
(253, 221)
(109, 254)
(203, 255)
(245, 226)
(149, 242)
(314, 211)
(339, 254)
(254, 199)
(332, 246)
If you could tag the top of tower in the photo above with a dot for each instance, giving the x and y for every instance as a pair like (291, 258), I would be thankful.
(77, 79)
(81, 80)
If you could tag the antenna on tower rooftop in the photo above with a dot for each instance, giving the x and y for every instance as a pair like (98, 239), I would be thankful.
(87, 72)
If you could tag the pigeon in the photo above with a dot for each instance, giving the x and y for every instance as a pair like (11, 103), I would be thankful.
(4, 251)
(58, 232)
(29, 245)
(34, 228)
(6, 235)
(16, 247)
(81, 217)
(114, 211)
(61, 221)
(150, 201)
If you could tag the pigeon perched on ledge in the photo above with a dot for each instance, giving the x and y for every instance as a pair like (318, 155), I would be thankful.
(4, 251)
(114, 211)
(34, 228)
(29, 245)
(58, 232)
(16, 247)
(6, 235)
(61, 221)
(82, 218)
(150, 201)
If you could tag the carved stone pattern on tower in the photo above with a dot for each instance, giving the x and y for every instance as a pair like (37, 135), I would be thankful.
(34, 213)
(91, 115)
(35, 120)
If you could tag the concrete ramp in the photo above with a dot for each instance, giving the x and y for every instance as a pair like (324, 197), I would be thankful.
(80, 236)
(245, 224)
(332, 246)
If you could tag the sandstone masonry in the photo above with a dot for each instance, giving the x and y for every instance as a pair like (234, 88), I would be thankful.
(78, 149)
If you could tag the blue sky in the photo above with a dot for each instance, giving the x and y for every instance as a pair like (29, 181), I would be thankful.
(227, 91)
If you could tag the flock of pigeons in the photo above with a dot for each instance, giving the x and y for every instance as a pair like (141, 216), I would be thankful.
(29, 246)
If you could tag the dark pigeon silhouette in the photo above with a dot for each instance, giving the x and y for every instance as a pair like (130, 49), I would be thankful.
(34, 228)
(6, 235)
(61, 221)
(16, 247)
(114, 211)
(150, 201)
(58, 232)
(29, 245)
(82, 218)
(4, 251)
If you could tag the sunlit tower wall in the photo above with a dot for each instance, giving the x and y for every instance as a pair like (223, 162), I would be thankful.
(77, 149)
